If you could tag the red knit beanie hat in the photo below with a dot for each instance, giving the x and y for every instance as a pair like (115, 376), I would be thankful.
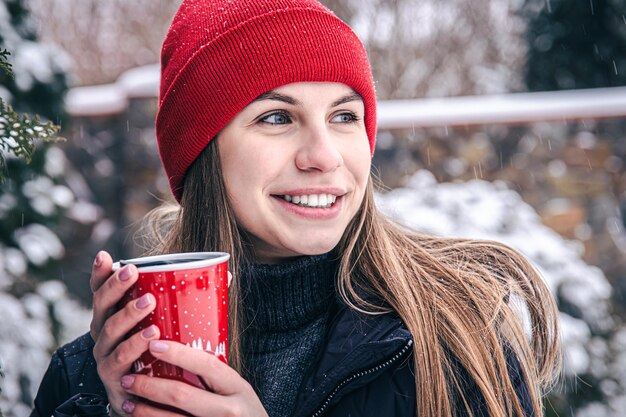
(219, 55)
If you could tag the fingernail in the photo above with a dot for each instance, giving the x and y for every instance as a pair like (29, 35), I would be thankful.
(125, 273)
(149, 332)
(98, 261)
(158, 346)
(127, 382)
(128, 406)
(143, 302)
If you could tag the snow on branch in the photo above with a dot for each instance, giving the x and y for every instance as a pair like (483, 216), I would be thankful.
(19, 132)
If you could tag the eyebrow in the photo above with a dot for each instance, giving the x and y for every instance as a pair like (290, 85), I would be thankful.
(272, 95)
(347, 99)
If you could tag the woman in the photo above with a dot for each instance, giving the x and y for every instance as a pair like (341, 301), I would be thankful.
(266, 128)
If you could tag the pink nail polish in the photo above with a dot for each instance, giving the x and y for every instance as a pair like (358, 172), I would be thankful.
(125, 273)
(158, 346)
(143, 302)
(149, 332)
(98, 261)
(128, 406)
(127, 381)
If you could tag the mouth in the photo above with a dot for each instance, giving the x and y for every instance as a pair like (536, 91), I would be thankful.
(310, 200)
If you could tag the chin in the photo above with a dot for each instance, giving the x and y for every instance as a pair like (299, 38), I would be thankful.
(316, 249)
(293, 246)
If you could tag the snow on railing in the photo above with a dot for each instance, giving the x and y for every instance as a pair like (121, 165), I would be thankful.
(112, 99)
(505, 108)
(143, 82)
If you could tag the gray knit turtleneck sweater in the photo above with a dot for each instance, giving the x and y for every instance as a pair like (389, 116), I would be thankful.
(286, 307)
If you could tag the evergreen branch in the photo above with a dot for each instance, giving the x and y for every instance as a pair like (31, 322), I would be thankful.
(18, 133)
(5, 65)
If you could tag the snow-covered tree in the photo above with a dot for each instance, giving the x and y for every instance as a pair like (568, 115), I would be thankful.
(34, 197)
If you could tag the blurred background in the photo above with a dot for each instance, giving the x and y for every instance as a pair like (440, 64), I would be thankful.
(553, 187)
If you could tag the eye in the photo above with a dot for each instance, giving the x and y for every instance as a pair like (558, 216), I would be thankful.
(347, 117)
(276, 118)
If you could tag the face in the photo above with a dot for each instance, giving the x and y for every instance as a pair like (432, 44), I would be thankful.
(296, 163)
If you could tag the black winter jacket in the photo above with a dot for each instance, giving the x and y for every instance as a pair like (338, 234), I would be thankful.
(364, 370)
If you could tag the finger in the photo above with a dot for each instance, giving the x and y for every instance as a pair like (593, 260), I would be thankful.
(109, 294)
(120, 360)
(122, 322)
(221, 378)
(100, 270)
(174, 393)
(111, 368)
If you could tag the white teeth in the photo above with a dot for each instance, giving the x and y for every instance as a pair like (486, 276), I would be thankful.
(312, 200)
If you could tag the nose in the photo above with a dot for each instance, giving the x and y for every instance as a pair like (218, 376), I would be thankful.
(319, 150)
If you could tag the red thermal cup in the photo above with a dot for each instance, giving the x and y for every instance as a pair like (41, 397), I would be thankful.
(191, 291)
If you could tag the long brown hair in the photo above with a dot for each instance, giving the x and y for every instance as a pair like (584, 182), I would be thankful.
(475, 302)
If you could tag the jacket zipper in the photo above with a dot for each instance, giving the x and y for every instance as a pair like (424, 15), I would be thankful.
(359, 374)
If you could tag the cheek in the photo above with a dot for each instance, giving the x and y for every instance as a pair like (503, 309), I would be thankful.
(237, 180)
(242, 167)
(359, 162)
(365, 169)
(247, 171)
(242, 188)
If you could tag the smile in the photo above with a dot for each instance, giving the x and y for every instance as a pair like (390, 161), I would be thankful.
(311, 200)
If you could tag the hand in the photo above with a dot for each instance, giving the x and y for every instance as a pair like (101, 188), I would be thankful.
(229, 395)
(114, 353)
